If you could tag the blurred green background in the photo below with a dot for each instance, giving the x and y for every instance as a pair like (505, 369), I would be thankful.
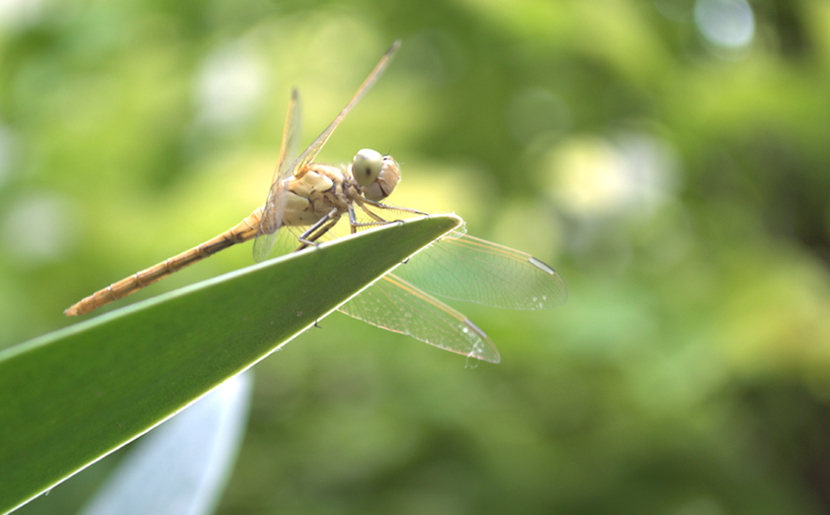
(669, 158)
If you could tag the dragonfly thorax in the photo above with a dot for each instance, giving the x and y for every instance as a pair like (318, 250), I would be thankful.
(376, 174)
(324, 191)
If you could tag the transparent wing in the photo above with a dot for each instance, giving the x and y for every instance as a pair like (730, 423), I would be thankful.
(311, 152)
(271, 218)
(290, 138)
(466, 268)
(395, 305)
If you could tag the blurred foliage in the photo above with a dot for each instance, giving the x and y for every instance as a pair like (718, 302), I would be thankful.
(668, 157)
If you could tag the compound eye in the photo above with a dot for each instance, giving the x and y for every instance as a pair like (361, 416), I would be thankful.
(366, 166)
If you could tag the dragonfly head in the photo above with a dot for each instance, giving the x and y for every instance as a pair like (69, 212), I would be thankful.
(377, 175)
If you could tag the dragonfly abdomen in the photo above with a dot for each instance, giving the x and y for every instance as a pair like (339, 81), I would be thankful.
(243, 231)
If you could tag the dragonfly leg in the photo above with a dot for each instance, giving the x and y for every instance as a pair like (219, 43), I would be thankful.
(393, 208)
(352, 220)
(321, 227)
(374, 216)
(354, 223)
(378, 220)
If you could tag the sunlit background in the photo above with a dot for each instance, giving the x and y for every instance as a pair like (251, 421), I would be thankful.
(670, 158)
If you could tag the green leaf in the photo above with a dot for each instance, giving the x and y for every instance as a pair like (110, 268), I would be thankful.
(70, 397)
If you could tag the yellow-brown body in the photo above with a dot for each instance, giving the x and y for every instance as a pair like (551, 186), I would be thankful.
(320, 191)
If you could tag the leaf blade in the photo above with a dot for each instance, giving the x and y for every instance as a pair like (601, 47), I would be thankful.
(71, 397)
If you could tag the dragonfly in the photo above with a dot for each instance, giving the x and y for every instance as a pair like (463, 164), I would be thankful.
(309, 199)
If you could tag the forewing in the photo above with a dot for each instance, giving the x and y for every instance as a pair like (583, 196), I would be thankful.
(466, 268)
(396, 305)
(311, 152)
(290, 138)
(271, 219)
